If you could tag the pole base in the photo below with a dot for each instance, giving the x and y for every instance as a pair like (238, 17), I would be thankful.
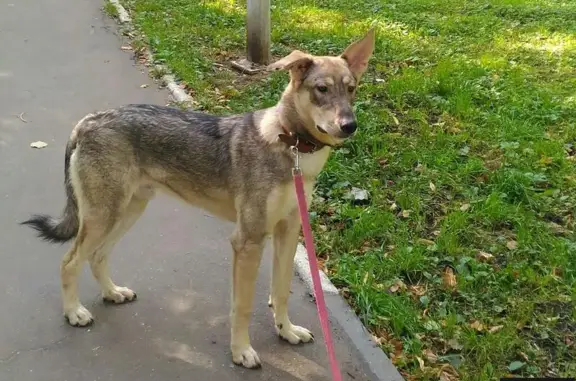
(247, 67)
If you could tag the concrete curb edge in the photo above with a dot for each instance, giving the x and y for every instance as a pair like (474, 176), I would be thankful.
(179, 94)
(340, 312)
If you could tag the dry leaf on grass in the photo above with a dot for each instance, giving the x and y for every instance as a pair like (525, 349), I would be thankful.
(477, 326)
(38, 144)
(430, 356)
(406, 213)
(426, 242)
(448, 373)
(432, 187)
(483, 256)
(448, 278)
(420, 362)
(465, 207)
(495, 328)
(418, 290)
(399, 285)
(512, 245)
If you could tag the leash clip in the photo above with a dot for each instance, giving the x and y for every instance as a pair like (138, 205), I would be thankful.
(296, 168)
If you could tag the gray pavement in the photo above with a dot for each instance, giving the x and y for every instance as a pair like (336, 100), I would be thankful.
(59, 60)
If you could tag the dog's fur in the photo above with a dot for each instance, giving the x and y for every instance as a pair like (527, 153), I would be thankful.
(234, 167)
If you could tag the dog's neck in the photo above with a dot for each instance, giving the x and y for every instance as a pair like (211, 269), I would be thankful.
(289, 129)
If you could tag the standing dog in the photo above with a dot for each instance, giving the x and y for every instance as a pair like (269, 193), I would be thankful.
(235, 167)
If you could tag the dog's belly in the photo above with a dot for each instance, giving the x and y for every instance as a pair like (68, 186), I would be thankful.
(215, 201)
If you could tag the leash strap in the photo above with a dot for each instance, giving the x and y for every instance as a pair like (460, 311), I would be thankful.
(318, 292)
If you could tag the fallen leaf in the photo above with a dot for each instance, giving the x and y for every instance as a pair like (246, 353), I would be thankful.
(420, 362)
(417, 290)
(512, 245)
(448, 373)
(432, 187)
(406, 213)
(399, 285)
(516, 365)
(477, 326)
(557, 229)
(38, 144)
(495, 328)
(483, 256)
(465, 207)
(144, 86)
(430, 356)
(454, 344)
(448, 278)
(426, 242)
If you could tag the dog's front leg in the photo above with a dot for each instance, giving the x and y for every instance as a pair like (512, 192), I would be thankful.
(247, 255)
(285, 237)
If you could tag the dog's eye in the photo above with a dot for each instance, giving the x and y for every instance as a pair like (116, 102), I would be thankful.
(351, 89)
(322, 89)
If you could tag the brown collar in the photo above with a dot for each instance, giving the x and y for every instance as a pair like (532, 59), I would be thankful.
(304, 143)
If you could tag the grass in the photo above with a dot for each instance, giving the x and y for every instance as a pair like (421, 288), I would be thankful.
(463, 263)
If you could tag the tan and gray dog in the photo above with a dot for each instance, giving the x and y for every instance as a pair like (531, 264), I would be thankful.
(235, 167)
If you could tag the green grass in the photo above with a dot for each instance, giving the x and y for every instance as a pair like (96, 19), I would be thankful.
(467, 146)
(110, 9)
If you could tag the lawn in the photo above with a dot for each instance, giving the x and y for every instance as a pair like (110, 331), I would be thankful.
(463, 261)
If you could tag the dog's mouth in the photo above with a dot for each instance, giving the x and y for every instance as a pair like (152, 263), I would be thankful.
(321, 129)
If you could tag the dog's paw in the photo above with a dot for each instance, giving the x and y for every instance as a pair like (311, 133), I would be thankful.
(79, 317)
(247, 357)
(119, 295)
(294, 334)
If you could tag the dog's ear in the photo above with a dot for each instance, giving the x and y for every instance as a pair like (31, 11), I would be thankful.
(296, 62)
(358, 53)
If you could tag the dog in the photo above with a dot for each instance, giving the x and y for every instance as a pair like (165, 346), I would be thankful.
(238, 168)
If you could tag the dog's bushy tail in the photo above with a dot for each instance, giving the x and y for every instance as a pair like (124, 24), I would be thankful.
(65, 228)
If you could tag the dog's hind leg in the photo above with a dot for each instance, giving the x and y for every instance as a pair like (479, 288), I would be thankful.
(91, 235)
(99, 259)
(285, 240)
(247, 243)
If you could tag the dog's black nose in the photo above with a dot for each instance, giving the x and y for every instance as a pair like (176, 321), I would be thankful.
(349, 127)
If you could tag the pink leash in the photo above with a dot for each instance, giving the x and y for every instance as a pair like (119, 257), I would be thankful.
(318, 292)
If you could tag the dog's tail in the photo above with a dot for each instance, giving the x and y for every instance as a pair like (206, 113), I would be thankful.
(64, 228)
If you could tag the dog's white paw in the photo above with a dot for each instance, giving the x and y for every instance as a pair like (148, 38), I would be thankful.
(294, 334)
(247, 357)
(119, 295)
(79, 317)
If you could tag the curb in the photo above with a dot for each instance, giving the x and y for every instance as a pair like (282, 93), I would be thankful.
(379, 365)
(168, 80)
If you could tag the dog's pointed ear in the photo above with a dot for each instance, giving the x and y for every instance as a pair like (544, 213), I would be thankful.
(296, 62)
(358, 54)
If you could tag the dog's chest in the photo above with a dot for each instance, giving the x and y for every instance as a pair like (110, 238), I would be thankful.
(282, 201)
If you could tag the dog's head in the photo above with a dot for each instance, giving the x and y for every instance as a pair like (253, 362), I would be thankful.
(323, 88)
